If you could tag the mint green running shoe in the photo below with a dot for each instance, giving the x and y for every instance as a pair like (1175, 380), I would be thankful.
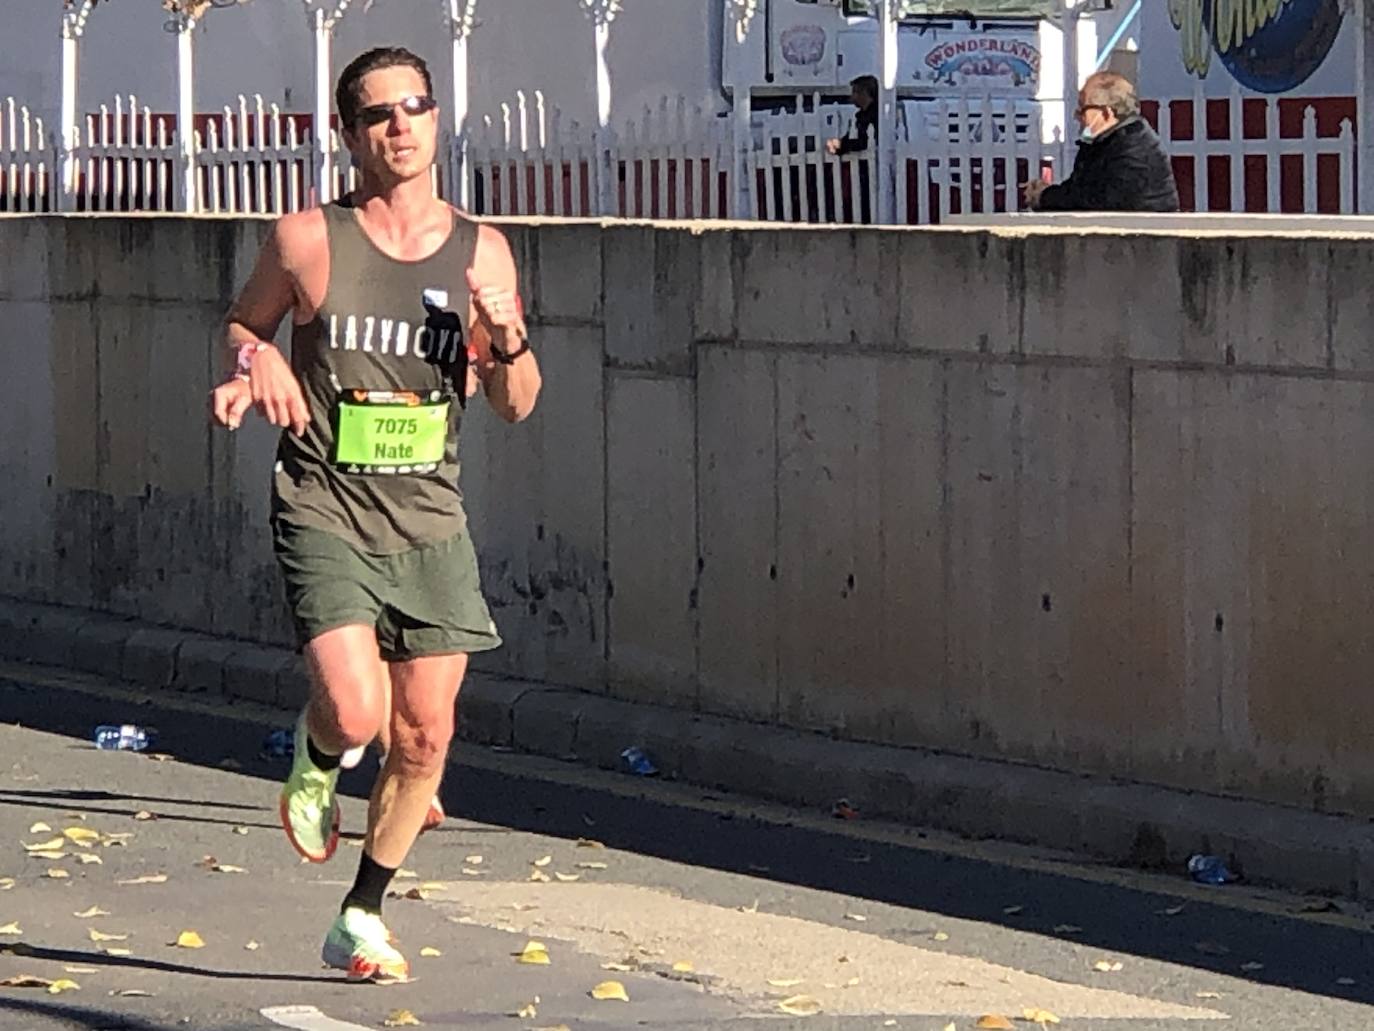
(309, 807)
(359, 943)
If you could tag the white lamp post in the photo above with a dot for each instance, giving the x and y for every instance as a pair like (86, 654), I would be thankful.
(887, 114)
(324, 15)
(74, 17)
(602, 13)
(461, 17)
(1363, 13)
(743, 21)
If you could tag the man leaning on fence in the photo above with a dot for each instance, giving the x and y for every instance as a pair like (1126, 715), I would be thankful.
(1121, 164)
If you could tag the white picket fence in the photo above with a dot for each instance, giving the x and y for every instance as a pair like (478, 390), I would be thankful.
(1197, 157)
(949, 157)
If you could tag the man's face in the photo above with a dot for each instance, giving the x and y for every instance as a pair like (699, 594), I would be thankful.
(1094, 118)
(391, 138)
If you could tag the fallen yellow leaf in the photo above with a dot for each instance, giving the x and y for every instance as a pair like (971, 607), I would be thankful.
(852, 982)
(589, 843)
(1208, 995)
(618, 967)
(1106, 966)
(430, 951)
(527, 1011)
(87, 914)
(401, 1018)
(939, 936)
(591, 866)
(44, 846)
(785, 982)
(1039, 1016)
(75, 816)
(252, 946)
(240, 830)
(143, 814)
(189, 940)
(610, 991)
(535, 953)
(473, 873)
(57, 874)
(950, 1026)
(89, 857)
(121, 838)
(568, 878)
(81, 970)
(473, 860)
(994, 1022)
(403, 874)
(800, 1006)
(552, 1027)
(856, 917)
(118, 950)
(147, 878)
(83, 836)
(11, 929)
(101, 936)
(545, 861)
(683, 967)
(434, 886)
(63, 984)
(540, 876)
(47, 855)
(6, 883)
(40, 828)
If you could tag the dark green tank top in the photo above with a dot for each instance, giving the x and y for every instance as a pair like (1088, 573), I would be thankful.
(384, 325)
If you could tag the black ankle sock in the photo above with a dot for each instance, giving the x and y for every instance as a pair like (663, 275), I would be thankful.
(321, 759)
(370, 885)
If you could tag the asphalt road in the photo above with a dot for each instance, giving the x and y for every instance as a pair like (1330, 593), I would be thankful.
(710, 910)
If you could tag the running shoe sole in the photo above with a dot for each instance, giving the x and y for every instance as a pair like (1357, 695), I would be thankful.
(330, 845)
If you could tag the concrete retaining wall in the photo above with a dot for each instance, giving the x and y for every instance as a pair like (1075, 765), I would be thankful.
(1092, 501)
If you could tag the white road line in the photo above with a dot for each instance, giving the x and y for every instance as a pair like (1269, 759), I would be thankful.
(308, 1018)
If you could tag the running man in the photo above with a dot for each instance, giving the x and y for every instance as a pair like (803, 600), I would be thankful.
(400, 305)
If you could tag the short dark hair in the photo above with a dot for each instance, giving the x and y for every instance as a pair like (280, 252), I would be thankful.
(867, 85)
(347, 93)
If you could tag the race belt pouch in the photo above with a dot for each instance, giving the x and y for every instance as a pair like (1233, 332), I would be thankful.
(390, 432)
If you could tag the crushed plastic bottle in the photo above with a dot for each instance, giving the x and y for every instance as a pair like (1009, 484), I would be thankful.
(280, 744)
(1210, 870)
(125, 738)
(636, 761)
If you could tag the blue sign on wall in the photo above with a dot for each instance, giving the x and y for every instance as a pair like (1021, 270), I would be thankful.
(1270, 46)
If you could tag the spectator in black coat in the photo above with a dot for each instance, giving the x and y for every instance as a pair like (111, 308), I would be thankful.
(863, 94)
(1121, 164)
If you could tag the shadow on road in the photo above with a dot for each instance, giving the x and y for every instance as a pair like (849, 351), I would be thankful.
(65, 1015)
(77, 957)
(1295, 951)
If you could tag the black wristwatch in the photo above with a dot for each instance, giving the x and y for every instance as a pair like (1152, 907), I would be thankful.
(508, 357)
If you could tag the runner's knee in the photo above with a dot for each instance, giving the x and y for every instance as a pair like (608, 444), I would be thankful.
(422, 745)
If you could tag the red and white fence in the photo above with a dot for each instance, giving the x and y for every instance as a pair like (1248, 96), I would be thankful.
(1261, 154)
(950, 157)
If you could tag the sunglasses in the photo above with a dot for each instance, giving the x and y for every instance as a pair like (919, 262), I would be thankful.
(379, 114)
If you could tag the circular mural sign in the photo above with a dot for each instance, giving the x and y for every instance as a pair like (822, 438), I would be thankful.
(1271, 46)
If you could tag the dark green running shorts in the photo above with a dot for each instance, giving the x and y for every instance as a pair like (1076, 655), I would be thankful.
(426, 601)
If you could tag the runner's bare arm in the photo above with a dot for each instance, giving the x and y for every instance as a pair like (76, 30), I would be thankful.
(513, 388)
(273, 290)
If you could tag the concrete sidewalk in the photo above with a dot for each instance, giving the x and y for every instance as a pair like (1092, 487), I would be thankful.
(1130, 824)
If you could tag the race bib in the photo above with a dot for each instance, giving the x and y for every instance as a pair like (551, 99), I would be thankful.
(390, 432)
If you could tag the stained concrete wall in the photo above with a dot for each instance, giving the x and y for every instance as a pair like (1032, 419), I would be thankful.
(1093, 501)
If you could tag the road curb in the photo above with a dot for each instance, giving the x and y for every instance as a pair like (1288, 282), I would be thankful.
(1132, 824)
